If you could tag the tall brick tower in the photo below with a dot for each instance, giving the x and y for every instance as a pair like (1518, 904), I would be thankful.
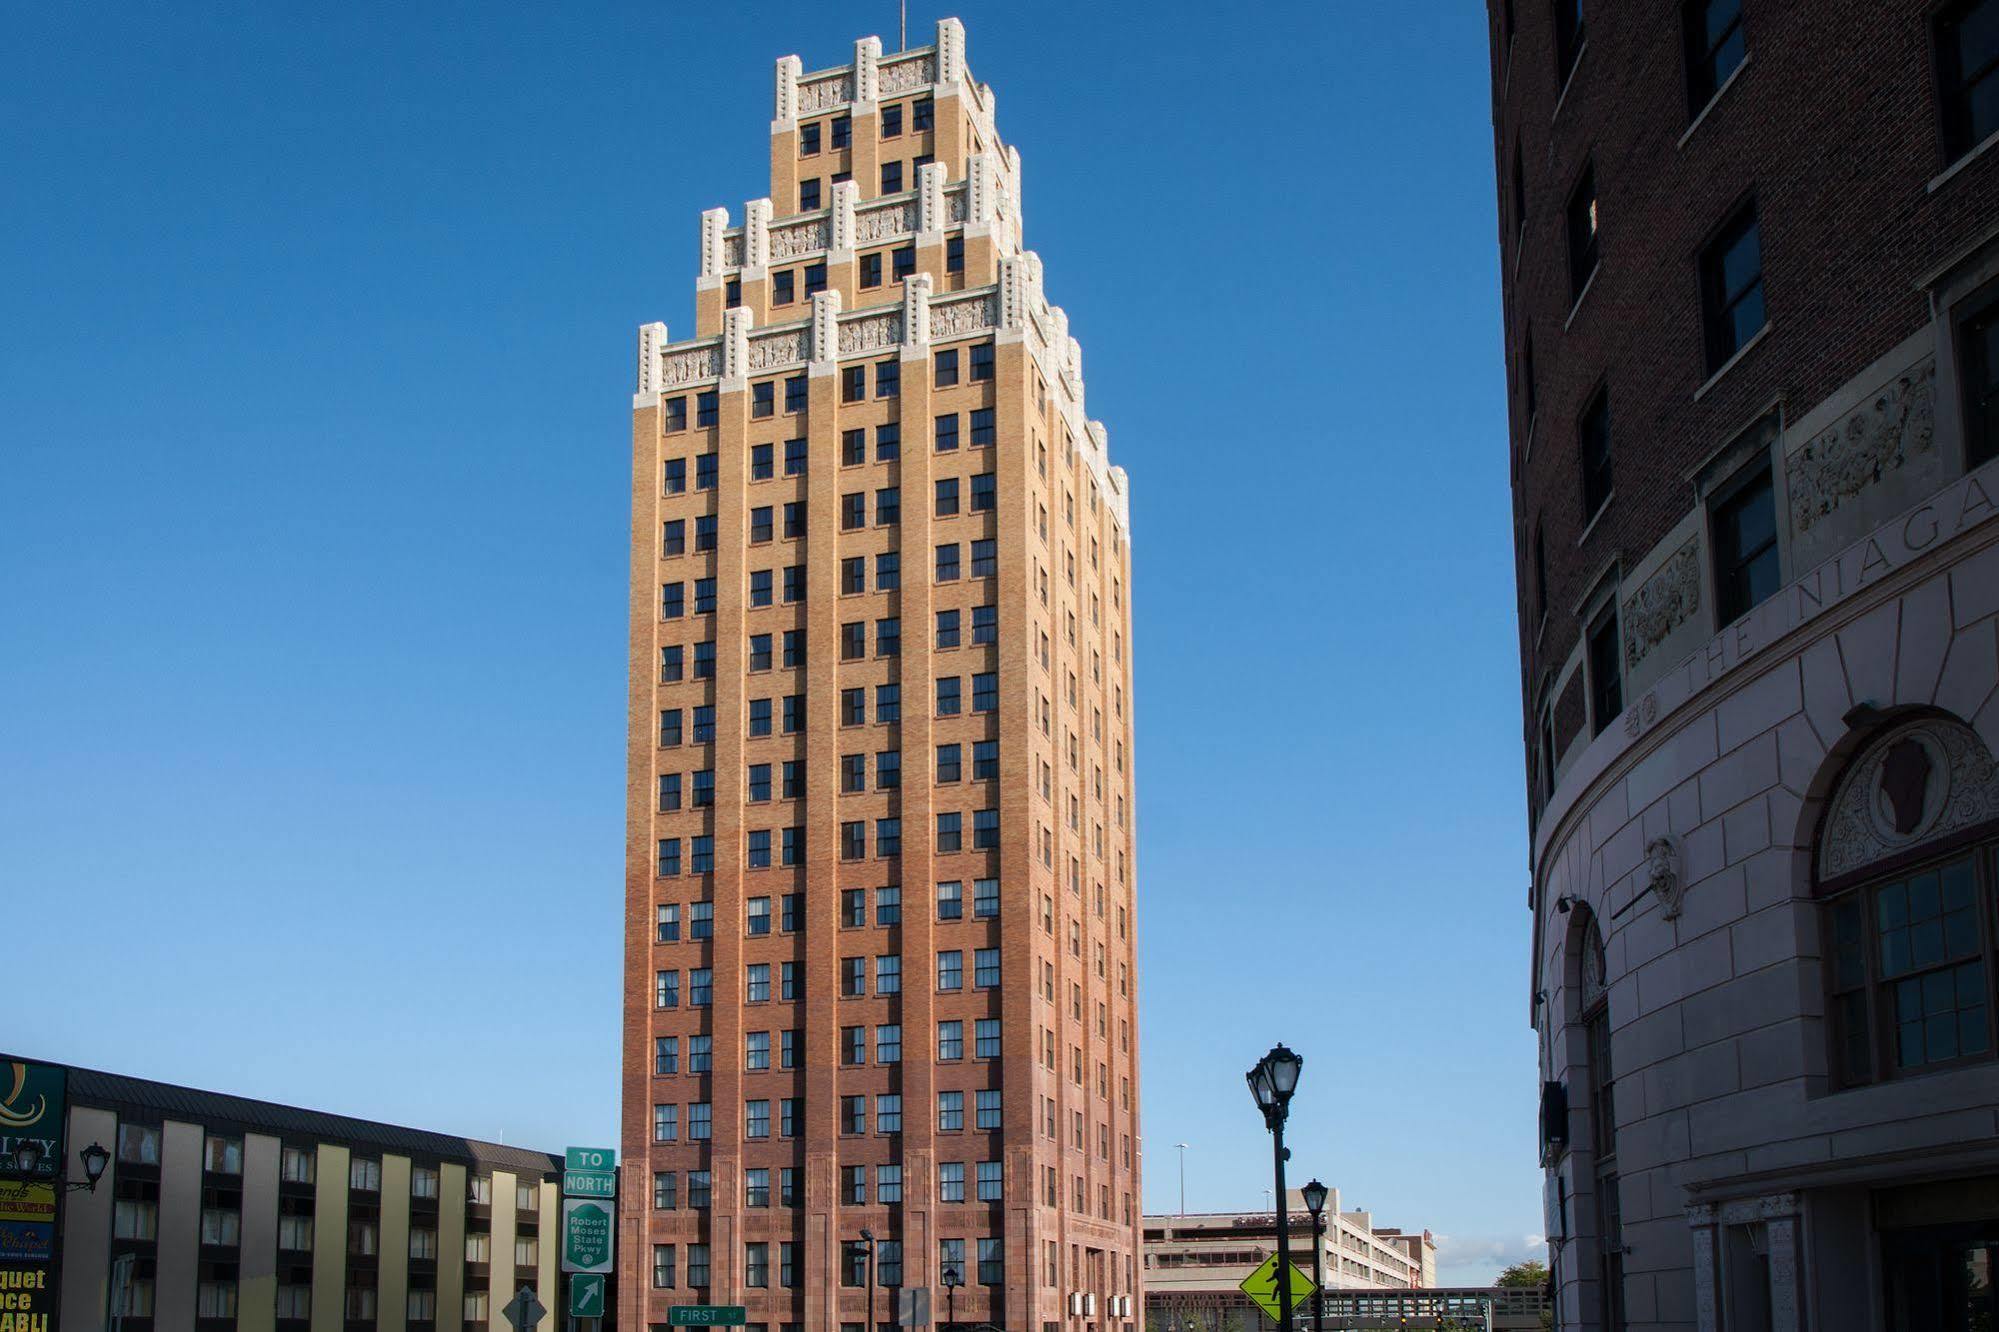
(879, 969)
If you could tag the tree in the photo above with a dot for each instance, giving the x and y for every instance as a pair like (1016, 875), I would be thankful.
(1531, 1274)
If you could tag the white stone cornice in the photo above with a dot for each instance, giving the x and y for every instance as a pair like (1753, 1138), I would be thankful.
(867, 70)
(735, 347)
(979, 189)
(652, 341)
(713, 223)
(756, 233)
(846, 196)
(825, 331)
(784, 113)
(916, 314)
(950, 54)
(930, 178)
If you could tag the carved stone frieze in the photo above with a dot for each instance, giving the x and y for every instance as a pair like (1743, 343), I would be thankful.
(954, 206)
(1667, 600)
(773, 350)
(961, 317)
(1893, 428)
(732, 251)
(907, 75)
(689, 366)
(798, 239)
(1919, 782)
(825, 94)
(882, 224)
(871, 334)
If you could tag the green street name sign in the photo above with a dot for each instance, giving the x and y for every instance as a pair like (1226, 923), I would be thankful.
(707, 1315)
(589, 1158)
(590, 1183)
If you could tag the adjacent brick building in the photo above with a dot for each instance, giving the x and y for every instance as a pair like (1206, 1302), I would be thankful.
(880, 976)
(1749, 251)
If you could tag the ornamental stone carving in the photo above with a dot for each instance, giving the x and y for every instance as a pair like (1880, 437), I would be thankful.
(1895, 427)
(773, 350)
(882, 224)
(799, 238)
(825, 94)
(1920, 782)
(962, 317)
(1662, 876)
(732, 251)
(1667, 600)
(954, 205)
(907, 75)
(871, 334)
(690, 366)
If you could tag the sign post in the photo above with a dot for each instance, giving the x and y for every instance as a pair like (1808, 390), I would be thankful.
(524, 1310)
(1261, 1287)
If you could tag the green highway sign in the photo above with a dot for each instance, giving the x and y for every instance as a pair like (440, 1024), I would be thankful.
(590, 1183)
(589, 1158)
(586, 1295)
(707, 1315)
(586, 1235)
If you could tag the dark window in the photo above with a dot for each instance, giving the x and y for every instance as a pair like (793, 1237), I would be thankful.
(985, 558)
(922, 113)
(795, 389)
(888, 636)
(985, 766)
(983, 494)
(853, 447)
(1569, 36)
(808, 139)
(949, 700)
(950, 766)
(1606, 684)
(843, 131)
(760, 661)
(954, 254)
(853, 640)
(704, 532)
(1732, 288)
(704, 596)
(707, 470)
(891, 120)
(763, 399)
(1978, 367)
(732, 294)
(853, 707)
(871, 269)
(1714, 48)
(853, 575)
(1582, 234)
(794, 457)
(794, 578)
(853, 383)
(888, 571)
(982, 427)
(676, 413)
(705, 409)
(946, 432)
(904, 261)
(794, 526)
(763, 457)
(947, 630)
(982, 362)
(1745, 541)
(985, 692)
(853, 510)
(947, 496)
(947, 375)
(815, 278)
(794, 647)
(673, 537)
(888, 703)
(808, 195)
(888, 378)
(891, 177)
(1967, 36)
(985, 625)
(782, 291)
(760, 523)
(704, 660)
(1593, 447)
(947, 562)
(888, 442)
(794, 722)
(760, 707)
(888, 506)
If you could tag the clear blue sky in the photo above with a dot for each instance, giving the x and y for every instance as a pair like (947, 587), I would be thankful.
(316, 348)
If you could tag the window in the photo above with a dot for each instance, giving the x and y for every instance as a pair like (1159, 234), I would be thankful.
(888, 636)
(705, 413)
(1978, 367)
(697, 1265)
(1593, 447)
(903, 261)
(871, 269)
(982, 368)
(763, 402)
(891, 120)
(985, 898)
(949, 763)
(1732, 288)
(888, 705)
(888, 379)
(672, 600)
(704, 661)
(853, 1114)
(947, 496)
(794, 455)
(1606, 685)
(665, 1123)
(946, 365)
(950, 1111)
(842, 131)
(853, 976)
(983, 431)
(853, 640)
(1582, 220)
(676, 419)
(853, 383)
(986, 1038)
(950, 832)
(888, 506)
(986, 968)
(949, 703)
(888, 975)
(808, 195)
(1745, 544)
(950, 1181)
(888, 1050)
(985, 760)
(985, 692)
(1569, 37)
(671, 661)
(988, 1110)
(984, 495)
(815, 278)
(954, 253)
(951, 1040)
(808, 139)
(1714, 48)
(950, 969)
(992, 1262)
(1967, 59)
(989, 1181)
(947, 627)
(222, 1156)
(888, 904)
(946, 427)
(985, 558)
(947, 563)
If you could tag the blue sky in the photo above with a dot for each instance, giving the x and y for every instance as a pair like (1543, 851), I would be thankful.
(315, 358)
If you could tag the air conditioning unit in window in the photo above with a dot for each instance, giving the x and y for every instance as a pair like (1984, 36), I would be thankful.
(1090, 1305)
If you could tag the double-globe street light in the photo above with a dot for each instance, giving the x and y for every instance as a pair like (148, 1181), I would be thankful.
(1271, 1082)
(28, 1161)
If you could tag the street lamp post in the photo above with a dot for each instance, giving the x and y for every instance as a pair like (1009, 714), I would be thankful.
(952, 1280)
(1183, 1176)
(1272, 1082)
(28, 1161)
(868, 1239)
(1315, 1203)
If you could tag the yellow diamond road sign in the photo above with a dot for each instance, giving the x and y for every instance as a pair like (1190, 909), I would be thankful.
(1261, 1286)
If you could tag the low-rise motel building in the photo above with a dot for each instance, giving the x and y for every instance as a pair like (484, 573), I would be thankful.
(145, 1207)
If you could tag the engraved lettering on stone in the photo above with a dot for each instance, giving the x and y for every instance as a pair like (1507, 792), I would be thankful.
(1895, 427)
(689, 366)
(768, 353)
(885, 223)
(824, 94)
(909, 74)
(871, 334)
(793, 241)
(950, 321)
(1667, 600)
(1872, 814)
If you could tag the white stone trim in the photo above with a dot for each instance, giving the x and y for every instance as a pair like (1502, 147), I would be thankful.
(916, 312)
(825, 331)
(784, 107)
(652, 339)
(867, 63)
(735, 347)
(713, 223)
(756, 235)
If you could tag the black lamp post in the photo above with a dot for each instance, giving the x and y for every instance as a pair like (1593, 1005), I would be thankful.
(1315, 1203)
(952, 1280)
(868, 1239)
(28, 1161)
(1272, 1081)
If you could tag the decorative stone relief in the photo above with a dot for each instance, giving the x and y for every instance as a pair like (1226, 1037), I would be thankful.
(1667, 600)
(882, 224)
(1921, 781)
(961, 317)
(825, 94)
(906, 75)
(799, 238)
(1662, 875)
(732, 251)
(773, 350)
(871, 334)
(1895, 427)
(954, 205)
(690, 366)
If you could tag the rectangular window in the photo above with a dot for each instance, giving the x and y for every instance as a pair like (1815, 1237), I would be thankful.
(665, 1055)
(891, 177)
(888, 378)
(992, 1262)
(951, 1040)
(888, 703)
(985, 495)
(1568, 37)
(706, 405)
(697, 1263)
(888, 636)
(986, 968)
(888, 1050)
(1582, 220)
(1714, 48)
(949, 702)
(946, 488)
(671, 661)
(986, 1038)
(672, 600)
(985, 898)
(700, 1122)
(700, 1054)
(888, 975)
(763, 402)
(666, 1190)
(666, 1123)
(1967, 63)
(947, 564)
(888, 571)
(982, 365)
(704, 660)
(987, 1110)
(985, 625)
(945, 433)
(815, 279)
(985, 692)
(842, 131)
(983, 431)
(888, 506)
(808, 139)
(950, 970)
(950, 900)
(756, 1257)
(666, 989)
(808, 195)
(1732, 288)
(871, 269)
(950, 832)
(701, 987)
(756, 1114)
(985, 830)
(989, 1182)
(903, 261)
(985, 558)
(676, 419)
(663, 1266)
(985, 760)
(794, 457)
(1745, 540)
(950, 1111)
(853, 383)
(954, 253)
(1594, 449)
(945, 364)
(796, 393)
(950, 1181)
(1606, 684)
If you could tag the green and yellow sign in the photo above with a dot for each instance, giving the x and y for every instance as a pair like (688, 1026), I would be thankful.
(31, 1110)
(27, 1298)
(1262, 1289)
